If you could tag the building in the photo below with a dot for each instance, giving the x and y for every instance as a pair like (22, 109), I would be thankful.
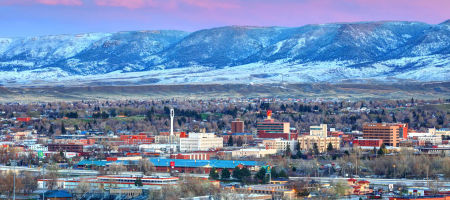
(269, 128)
(430, 140)
(243, 138)
(307, 142)
(320, 130)
(279, 144)
(368, 142)
(237, 126)
(137, 139)
(253, 152)
(191, 156)
(444, 131)
(66, 147)
(433, 197)
(277, 191)
(200, 142)
(389, 133)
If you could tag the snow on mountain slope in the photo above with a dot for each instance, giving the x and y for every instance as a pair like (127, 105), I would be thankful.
(384, 51)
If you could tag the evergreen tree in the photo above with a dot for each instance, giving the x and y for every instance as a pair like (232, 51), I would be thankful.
(63, 129)
(138, 182)
(213, 175)
(330, 147)
(237, 173)
(288, 152)
(299, 154)
(382, 150)
(261, 175)
(230, 141)
(239, 142)
(316, 149)
(225, 174)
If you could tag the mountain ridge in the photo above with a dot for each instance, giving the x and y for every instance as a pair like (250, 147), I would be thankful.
(335, 52)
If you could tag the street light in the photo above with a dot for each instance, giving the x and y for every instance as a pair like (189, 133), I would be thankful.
(394, 169)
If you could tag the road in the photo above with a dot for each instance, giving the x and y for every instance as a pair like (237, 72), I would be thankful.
(408, 182)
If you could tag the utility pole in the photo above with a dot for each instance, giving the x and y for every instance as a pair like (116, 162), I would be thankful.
(43, 182)
(14, 163)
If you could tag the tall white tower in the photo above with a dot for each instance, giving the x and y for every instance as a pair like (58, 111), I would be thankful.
(172, 115)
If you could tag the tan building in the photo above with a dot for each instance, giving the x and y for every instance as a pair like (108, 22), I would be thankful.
(320, 130)
(389, 133)
(307, 142)
(200, 142)
(279, 144)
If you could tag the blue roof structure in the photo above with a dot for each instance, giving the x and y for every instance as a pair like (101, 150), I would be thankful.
(58, 194)
(229, 164)
(164, 162)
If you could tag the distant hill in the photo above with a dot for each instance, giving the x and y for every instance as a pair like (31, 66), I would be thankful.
(388, 51)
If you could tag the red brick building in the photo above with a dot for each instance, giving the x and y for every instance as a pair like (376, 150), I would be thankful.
(137, 139)
(368, 142)
(237, 126)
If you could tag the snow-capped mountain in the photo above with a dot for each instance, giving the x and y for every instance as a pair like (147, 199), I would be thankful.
(383, 51)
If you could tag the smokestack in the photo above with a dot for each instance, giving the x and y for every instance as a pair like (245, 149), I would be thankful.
(172, 114)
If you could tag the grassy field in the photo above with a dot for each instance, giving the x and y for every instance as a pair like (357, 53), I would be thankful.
(147, 92)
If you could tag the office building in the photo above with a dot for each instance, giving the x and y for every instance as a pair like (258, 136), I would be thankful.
(279, 144)
(320, 131)
(307, 142)
(269, 128)
(237, 126)
(200, 142)
(389, 133)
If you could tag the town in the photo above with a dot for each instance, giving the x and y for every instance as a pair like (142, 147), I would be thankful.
(233, 148)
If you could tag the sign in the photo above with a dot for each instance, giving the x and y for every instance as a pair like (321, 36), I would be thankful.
(40, 154)
(172, 164)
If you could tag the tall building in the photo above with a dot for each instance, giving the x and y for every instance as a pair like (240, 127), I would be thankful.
(389, 133)
(269, 128)
(320, 131)
(237, 126)
(200, 142)
(403, 130)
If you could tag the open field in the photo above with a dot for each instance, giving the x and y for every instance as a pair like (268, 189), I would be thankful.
(321, 90)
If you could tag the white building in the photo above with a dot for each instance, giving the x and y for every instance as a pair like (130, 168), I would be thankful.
(253, 152)
(320, 131)
(279, 144)
(434, 140)
(200, 142)
(38, 147)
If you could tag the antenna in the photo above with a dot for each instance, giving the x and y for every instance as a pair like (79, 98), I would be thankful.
(172, 114)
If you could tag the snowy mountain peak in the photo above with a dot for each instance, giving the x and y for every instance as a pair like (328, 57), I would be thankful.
(386, 50)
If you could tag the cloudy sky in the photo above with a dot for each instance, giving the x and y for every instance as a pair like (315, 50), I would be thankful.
(43, 17)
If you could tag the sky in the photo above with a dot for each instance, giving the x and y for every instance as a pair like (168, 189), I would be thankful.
(20, 18)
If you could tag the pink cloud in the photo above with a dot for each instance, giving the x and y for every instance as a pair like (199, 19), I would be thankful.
(132, 4)
(171, 4)
(61, 2)
(44, 2)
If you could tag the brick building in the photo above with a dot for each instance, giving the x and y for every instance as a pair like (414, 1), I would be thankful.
(237, 126)
(389, 133)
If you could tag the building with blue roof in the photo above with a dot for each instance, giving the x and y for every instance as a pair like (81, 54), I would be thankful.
(182, 165)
